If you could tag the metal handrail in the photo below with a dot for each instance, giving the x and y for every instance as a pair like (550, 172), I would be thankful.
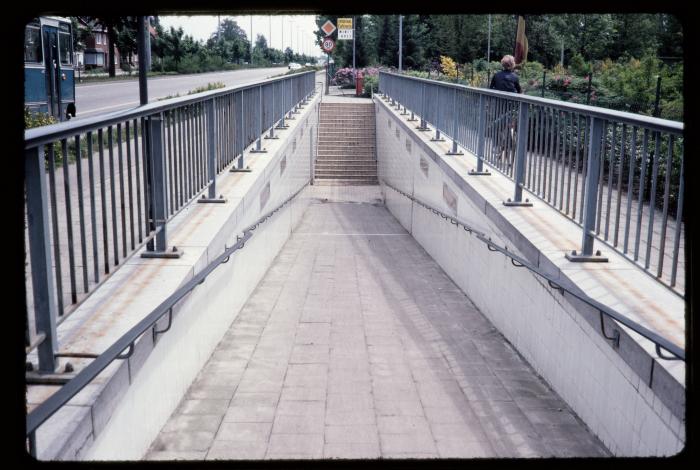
(662, 125)
(53, 132)
(582, 160)
(659, 341)
(127, 341)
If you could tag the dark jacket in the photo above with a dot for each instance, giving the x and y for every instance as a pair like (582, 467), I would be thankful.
(506, 80)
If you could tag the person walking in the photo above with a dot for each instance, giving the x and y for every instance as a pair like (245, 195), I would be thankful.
(506, 80)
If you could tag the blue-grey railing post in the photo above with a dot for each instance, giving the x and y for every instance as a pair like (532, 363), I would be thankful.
(156, 158)
(440, 106)
(423, 126)
(591, 195)
(281, 124)
(211, 155)
(455, 150)
(272, 135)
(258, 145)
(40, 249)
(240, 166)
(520, 153)
(481, 139)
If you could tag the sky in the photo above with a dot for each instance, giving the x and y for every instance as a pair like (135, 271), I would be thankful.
(298, 29)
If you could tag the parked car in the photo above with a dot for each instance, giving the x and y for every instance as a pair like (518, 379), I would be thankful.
(294, 66)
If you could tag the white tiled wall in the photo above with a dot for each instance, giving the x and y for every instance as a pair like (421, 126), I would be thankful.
(209, 310)
(562, 347)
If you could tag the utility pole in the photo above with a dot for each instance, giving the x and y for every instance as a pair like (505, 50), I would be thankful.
(354, 72)
(488, 56)
(270, 18)
(561, 60)
(488, 46)
(400, 43)
(218, 27)
(251, 39)
(143, 44)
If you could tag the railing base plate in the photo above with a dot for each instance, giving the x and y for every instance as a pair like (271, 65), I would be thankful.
(208, 200)
(524, 203)
(479, 173)
(274, 137)
(437, 140)
(37, 378)
(572, 256)
(168, 254)
(422, 129)
(240, 170)
(454, 153)
(258, 151)
(411, 119)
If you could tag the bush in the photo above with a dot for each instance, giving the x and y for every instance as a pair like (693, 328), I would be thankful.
(578, 66)
(37, 119)
(371, 82)
(448, 67)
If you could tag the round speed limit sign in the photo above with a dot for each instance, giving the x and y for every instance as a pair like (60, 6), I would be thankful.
(328, 44)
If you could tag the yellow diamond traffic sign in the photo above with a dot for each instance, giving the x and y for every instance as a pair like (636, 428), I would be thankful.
(328, 27)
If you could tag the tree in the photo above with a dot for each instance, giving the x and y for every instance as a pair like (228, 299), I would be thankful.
(260, 51)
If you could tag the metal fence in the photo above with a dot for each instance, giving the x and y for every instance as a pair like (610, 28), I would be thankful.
(98, 189)
(633, 200)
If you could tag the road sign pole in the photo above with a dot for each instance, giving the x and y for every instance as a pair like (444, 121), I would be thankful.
(354, 72)
(328, 69)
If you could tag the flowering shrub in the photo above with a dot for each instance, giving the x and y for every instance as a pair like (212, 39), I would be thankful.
(343, 76)
(448, 67)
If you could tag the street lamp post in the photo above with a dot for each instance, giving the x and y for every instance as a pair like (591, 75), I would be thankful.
(400, 43)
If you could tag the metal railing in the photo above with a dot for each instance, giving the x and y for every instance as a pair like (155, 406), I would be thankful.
(128, 340)
(122, 177)
(633, 201)
(660, 343)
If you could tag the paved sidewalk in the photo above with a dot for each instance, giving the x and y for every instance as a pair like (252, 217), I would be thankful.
(357, 345)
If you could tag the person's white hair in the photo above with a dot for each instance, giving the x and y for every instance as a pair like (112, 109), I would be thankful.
(508, 62)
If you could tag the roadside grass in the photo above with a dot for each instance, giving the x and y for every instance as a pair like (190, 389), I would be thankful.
(208, 87)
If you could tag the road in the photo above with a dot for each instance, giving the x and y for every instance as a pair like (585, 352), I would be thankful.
(96, 98)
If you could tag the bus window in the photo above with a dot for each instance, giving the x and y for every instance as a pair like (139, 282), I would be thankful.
(32, 43)
(64, 45)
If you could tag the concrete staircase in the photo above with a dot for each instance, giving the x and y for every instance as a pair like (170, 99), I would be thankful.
(346, 145)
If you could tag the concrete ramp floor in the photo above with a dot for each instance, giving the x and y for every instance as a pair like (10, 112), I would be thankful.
(357, 345)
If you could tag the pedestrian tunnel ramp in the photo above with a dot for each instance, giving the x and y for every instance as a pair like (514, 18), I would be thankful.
(366, 322)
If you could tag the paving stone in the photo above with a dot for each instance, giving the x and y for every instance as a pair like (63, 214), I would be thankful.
(398, 407)
(359, 433)
(204, 407)
(298, 424)
(393, 444)
(244, 432)
(365, 416)
(349, 402)
(200, 392)
(209, 423)
(255, 398)
(189, 440)
(309, 354)
(295, 446)
(175, 455)
(303, 393)
(237, 450)
(457, 448)
(352, 450)
(363, 340)
(403, 425)
(250, 413)
(301, 408)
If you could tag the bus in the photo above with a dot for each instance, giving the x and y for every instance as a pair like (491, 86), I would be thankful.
(49, 72)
